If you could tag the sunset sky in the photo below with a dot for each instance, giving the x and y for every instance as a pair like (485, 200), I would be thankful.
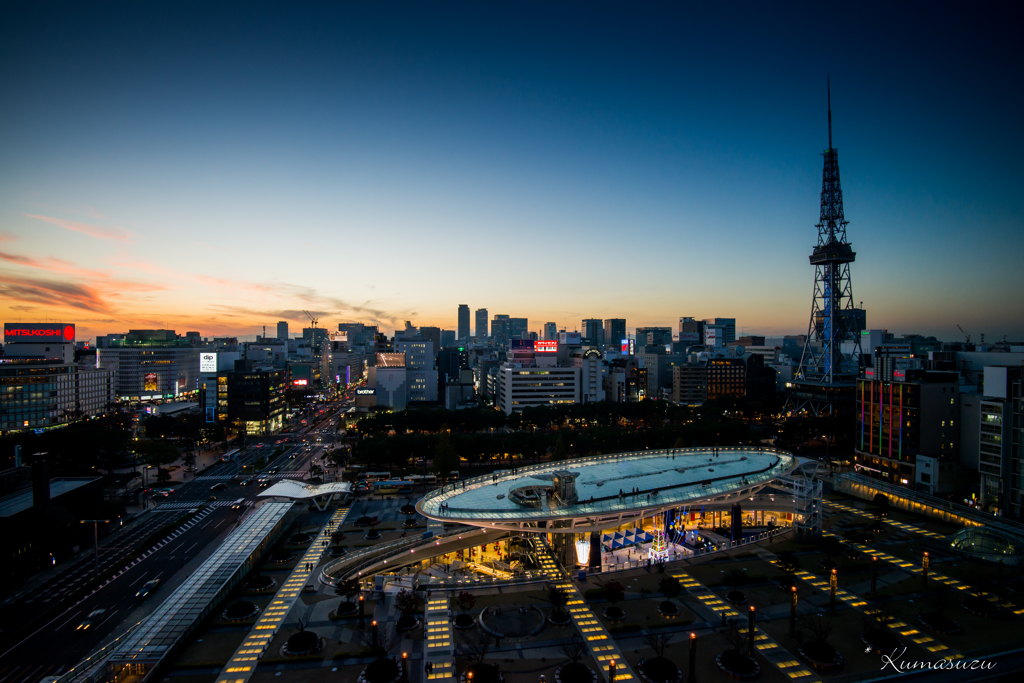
(219, 167)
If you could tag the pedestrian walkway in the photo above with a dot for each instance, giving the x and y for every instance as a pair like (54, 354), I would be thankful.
(903, 526)
(602, 646)
(438, 641)
(774, 653)
(860, 604)
(243, 663)
(297, 474)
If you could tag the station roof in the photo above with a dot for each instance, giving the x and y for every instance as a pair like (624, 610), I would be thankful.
(181, 612)
(289, 488)
(680, 477)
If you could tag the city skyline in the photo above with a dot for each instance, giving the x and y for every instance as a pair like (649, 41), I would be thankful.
(378, 167)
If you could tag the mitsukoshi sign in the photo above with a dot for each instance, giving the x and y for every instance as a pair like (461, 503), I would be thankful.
(54, 332)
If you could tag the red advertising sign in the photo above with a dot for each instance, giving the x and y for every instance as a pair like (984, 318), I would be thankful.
(56, 332)
(545, 346)
(299, 382)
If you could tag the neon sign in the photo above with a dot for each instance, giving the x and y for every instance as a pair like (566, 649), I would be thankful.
(545, 346)
(22, 332)
(300, 382)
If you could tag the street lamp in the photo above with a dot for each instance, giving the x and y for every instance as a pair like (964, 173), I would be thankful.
(95, 537)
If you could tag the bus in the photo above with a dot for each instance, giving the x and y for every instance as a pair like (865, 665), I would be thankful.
(375, 476)
(392, 486)
(230, 455)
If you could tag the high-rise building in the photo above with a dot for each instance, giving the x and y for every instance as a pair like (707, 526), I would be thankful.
(151, 365)
(282, 330)
(481, 323)
(447, 338)
(653, 336)
(433, 335)
(518, 328)
(464, 332)
(593, 330)
(550, 331)
(500, 330)
(419, 363)
(727, 326)
(691, 331)
(614, 332)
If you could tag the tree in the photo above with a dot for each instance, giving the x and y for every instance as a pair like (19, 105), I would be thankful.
(475, 647)
(445, 458)
(670, 587)
(614, 592)
(408, 602)
(465, 601)
(559, 453)
(734, 578)
(574, 650)
(348, 589)
(558, 599)
(658, 643)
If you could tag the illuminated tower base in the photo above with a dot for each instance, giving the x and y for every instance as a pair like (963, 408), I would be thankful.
(659, 548)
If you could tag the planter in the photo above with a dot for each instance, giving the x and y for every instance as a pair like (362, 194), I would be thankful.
(737, 665)
(407, 510)
(364, 521)
(821, 656)
(659, 670)
(482, 673)
(937, 622)
(299, 539)
(668, 610)
(464, 622)
(559, 619)
(381, 671)
(281, 557)
(980, 607)
(614, 614)
(736, 597)
(260, 584)
(407, 622)
(573, 672)
(881, 640)
(372, 535)
(304, 643)
(240, 611)
(347, 609)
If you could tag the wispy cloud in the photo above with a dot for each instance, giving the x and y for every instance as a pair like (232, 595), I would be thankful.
(51, 293)
(8, 237)
(101, 232)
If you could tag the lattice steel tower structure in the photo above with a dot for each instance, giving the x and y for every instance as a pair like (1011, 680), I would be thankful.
(826, 379)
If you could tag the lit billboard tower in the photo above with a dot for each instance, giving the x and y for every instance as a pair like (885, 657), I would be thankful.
(824, 383)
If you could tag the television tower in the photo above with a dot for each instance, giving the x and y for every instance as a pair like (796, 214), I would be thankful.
(826, 379)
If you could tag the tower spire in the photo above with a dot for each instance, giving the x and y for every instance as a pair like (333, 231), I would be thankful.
(828, 82)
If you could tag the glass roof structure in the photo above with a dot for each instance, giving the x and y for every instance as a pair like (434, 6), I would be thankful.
(663, 479)
(288, 488)
(182, 611)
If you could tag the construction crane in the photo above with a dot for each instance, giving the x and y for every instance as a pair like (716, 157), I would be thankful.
(312, 319)
(964, 333)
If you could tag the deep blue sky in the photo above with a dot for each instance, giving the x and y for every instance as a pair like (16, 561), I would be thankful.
(222, 168)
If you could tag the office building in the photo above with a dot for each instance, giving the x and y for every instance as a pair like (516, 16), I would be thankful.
(518, 328)
(691, 331)
(282, 330)
(41, 384)
(899, 417)
(463, 327)
(726, 325)
(524, 387)
(481, 324)
(433, 335)
(658, 364)
(389, 380)
(550, 331)
(421, 376)
(626, 381)
(447, 338)
(592, 330)
(593, 369)
(614, 332)
(255, 400)
(653, 336)
(358, 334)
(150, 365)
(501, 330)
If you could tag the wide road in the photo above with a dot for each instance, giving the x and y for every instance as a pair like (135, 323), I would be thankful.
(57, 644)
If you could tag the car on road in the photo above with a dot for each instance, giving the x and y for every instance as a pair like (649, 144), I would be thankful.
(211, 499)
(147, 588)
(220, 486)
(95, 617)
(245, 482)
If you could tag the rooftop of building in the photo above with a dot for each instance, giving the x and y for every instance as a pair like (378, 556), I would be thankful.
(672, 478)
(22, 500)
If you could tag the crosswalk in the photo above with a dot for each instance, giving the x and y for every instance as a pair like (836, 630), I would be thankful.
(301, 474)
(188, 504)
